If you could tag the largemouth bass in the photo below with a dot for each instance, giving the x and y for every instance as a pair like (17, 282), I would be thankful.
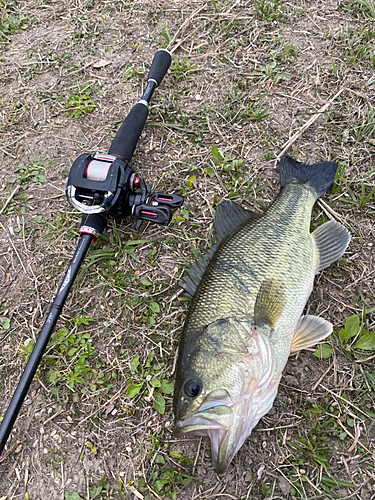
(245, 319)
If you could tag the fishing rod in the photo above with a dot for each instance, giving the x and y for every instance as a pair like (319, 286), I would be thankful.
(98, 186)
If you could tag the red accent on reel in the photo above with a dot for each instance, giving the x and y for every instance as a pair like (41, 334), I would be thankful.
(153, 214)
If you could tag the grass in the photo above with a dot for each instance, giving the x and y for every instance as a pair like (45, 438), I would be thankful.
(242, 82)
(12, 24)
(80, 103)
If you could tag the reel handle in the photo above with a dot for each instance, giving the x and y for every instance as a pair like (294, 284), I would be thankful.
(128, 134)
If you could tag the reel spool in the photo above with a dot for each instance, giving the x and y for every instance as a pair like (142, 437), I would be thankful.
(97, 169)
(105, 183)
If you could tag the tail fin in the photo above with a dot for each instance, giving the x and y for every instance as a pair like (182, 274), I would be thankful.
(319, 176)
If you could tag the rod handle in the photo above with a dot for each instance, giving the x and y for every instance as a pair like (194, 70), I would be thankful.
(159, 66)
(130, 131)
(128, 134)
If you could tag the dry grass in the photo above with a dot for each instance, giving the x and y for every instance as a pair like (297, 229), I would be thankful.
(252, 78)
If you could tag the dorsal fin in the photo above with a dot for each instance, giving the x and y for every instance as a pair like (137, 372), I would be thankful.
(331, 240)
(269, 304)
(228, 216)
(194, 275)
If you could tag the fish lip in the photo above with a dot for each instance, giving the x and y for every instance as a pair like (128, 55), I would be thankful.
(196, 424)
(214, 419)
(218, 433)
(216, 399)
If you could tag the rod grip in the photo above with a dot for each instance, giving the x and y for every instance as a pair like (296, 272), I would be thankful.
(159, 66)
(128, 134)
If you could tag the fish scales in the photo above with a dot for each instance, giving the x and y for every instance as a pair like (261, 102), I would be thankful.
(246, 314)
(255, 249)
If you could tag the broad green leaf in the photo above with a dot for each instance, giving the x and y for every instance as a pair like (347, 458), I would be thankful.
(149, 360)
(151, 320)
(4, 324)
(166, 387)
(366, 342)
(52, 375)
(159, 459)
(133, 390)
(190, 181)
(266, 490)
(134, 363)
(73, 496)
(158, 485)
(154, 306)
(210, 172)
(352, 325)
(343, 336)
(146, 282)
(215, 152)
(158, 403)
(323, 351)
(155, 382)
(196, 252)
(39, 178)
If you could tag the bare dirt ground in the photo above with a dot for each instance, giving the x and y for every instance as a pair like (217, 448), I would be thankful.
(247, 77)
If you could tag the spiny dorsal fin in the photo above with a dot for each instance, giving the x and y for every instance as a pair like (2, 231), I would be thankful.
(194, 275)
(309, 331)
(331, 240)
(228, 216)
(269, 304)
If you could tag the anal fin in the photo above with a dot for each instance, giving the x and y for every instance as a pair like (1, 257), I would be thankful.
(309, 331)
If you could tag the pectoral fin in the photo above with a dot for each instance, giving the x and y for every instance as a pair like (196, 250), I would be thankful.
(331, 240)
(269, 304)
(310, 330)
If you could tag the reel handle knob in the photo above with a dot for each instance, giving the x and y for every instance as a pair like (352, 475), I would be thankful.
(161, 215)
(171, 200)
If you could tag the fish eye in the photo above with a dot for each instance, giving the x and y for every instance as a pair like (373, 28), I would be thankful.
(193, 388)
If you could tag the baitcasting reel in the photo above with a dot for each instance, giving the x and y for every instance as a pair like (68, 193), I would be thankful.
(106, 183)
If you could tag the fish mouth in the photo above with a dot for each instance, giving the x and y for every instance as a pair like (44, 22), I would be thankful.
(215, 419)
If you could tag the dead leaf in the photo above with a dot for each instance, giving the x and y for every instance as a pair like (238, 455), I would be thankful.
(102, 63)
